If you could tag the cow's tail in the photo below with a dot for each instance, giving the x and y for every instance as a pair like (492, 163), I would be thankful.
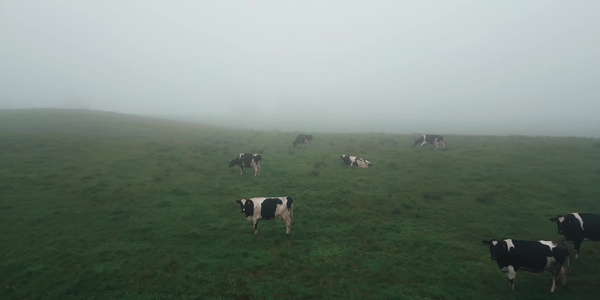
(290, 206)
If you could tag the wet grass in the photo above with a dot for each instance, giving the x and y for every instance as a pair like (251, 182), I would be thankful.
(99, 205)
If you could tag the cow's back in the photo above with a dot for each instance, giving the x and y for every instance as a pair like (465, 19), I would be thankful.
(529, 256)
(270, 207)
(591, 226)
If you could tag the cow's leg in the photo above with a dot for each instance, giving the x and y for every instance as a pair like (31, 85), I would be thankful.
(555, 274)
(241, 170)
(557, 271)
(443, 144)
(288, 223)
(511, 273)
(577, 244)
(256, 169)
(255, 223)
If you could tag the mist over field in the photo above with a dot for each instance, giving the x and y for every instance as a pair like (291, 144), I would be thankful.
(459, 67)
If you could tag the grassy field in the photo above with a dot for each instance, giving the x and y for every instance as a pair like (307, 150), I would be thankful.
(97, 205)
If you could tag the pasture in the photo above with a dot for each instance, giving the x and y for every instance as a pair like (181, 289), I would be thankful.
(97, 205)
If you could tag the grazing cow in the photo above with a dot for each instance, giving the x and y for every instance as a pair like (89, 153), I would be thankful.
(354, 161)
(427, 139)
(530, 256)
(245, 160)
(578, 227)
(268, 208)
(303, 139)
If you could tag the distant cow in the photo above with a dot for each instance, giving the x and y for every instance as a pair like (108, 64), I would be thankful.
(427, 139)
(246, 160)
(578, 227)
(268, 208)
(303, 139)
(354, 161)
(530, 256)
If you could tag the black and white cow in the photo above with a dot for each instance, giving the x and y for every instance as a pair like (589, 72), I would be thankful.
(303, 139)
(578, 227)
(427, 139)
(268, 208)
(354, 161)
(246, 160)
(530, 256)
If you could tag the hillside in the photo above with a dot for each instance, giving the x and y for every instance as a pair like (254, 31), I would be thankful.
(104, 205)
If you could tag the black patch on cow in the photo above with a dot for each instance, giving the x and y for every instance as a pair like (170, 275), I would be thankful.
(256, 158)
(268, 208)
(429, 138)
(289, 202)
(530, 256)
(248, 208)
(346, 160)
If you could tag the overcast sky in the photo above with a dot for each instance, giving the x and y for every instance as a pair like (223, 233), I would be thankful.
(473, 67)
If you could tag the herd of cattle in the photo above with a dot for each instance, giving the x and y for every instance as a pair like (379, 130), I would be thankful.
(510, 255)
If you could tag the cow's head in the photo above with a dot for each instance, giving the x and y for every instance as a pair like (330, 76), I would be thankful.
(559, 223)
(419, 140)
(499, 249)
(233, 162)
(247, 206)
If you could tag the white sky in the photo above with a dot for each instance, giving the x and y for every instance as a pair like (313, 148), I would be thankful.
(473, 67)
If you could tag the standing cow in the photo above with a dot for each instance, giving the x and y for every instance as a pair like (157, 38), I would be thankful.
(303, 139)
(578, 227)
(531, 256)
(427, 139)
(268, 208)
(245, 160)
(354, 161)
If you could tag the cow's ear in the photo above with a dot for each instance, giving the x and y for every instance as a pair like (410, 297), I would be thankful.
(238, 201)
(553, 219)
(487, 243)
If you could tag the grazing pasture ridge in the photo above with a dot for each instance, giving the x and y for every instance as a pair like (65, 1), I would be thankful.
(109, 206)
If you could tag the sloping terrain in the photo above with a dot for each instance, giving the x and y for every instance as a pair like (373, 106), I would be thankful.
(102, 205)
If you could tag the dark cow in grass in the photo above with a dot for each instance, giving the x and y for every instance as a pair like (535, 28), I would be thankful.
(354, 161)
(531, 256)
(430, 139)
(578, 227)
(246, 160)
(303, 139)
(268, 208)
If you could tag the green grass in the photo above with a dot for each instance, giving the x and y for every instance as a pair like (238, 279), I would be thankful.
(97, 205)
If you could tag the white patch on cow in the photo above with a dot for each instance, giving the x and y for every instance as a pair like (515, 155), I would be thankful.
(511, 273)
(561, 219)
(549, 244)
(510, 244)
(494, 243)
(578, 217)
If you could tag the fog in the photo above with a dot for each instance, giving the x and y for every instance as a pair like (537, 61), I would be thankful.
(446, 67)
